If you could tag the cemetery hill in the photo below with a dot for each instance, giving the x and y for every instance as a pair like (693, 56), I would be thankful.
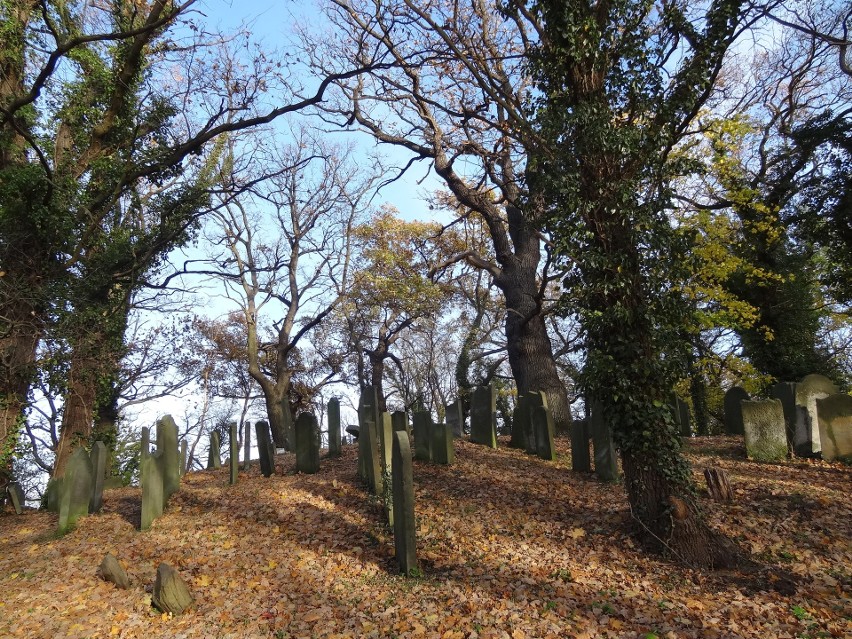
(445, 319)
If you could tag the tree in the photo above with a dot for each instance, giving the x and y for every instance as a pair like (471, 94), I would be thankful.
(619, 84)
(454, 98)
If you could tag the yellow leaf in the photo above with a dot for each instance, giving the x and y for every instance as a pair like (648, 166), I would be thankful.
(202, 580)
(114, 631)
(576, 533)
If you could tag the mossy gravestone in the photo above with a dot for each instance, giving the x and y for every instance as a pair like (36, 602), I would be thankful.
(167, 446)
(443, 451)
(806, 442)
(422, 435)
(606, 459)
(76, 490)
(16, 495)
(333, 414)
(765, 435)
(521, 424)
(580, 460)
(307, 438)
(786, 392)
(734, 410)
(543, 427)
(170, 593)
(455, 417)
(153, 491)
(835, 426)
(214, 452)
(399, 421)
(99, 459)
(265, 448)
(404, 525)
(483, 416)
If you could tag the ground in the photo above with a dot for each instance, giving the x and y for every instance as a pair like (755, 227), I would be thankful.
(509, 546)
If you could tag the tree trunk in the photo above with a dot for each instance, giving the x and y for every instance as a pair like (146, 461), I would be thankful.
(277, 399)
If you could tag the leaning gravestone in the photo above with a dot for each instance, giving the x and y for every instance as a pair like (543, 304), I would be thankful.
(307, 438)
(580, 460)
(368, 452)
(606, 459)
(167, 444)
(734, 411)
(16, 495)
(443, 451)
(170, 593)
(265, 448)
(764, 432)
(806, 441)
(153, 493)
(98, 457)
(214, 453)
(333, 413)
(404, 525)
(235, 452)
(786, 392)
(422, 435)
(112, 571)
(521, 423)
(835, 426)
(483, 416)
(543, 426)
(455, 417)
(76, 489)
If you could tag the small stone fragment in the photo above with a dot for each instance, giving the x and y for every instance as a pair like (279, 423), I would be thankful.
(170, 591)
(112, 571)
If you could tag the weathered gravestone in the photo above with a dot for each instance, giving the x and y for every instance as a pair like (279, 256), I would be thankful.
(265, 448)
(483, 416)
(76, 489)
(167, 444)
(145, 443)
(786, 393)
(835, 426)
(606, 458)
(806, 442)
(455, 417)
(368, 457)
(214, 452)
(153, 490)
(307, 437)
(580, 460)
(368, 411)
(764, 432)
(404, 525)
(399, 421)
(543, 427)
(53, 494)
(422, 435)
(16, 496)
(443, 451)
(734, 410)
(682, 416)
(386, 456)
(98, 457)
(235, 452)
(112, 571)
(333, 413)
(521, 424)
(246, 445)
(184, 452)
(170, 592)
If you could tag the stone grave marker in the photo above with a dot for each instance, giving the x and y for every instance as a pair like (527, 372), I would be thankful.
(368, 411)
(386, 443)
(170, 592)
(307, 436)
(764, 432)
(404, 525)
(580, 460)
(786, 392)
(734, 411)
(333, 413)
(112, 571)
(682, 416)
(184, 452)
(265, 448)
(145, 443)
(235, 452)
(483, 416)
(606, 458)
(16, 496)
(214, 452)
(167, 444)
(455, 417)
(153, 489)
(535, 400)
(53, 493)
(76, 489)
(806, 442)
(422, 435)
(835, 426)
(521, 423)
(246, 445)
(399, 421)
(443, 450)
(98, 457)
(368, 449)
(543, 426)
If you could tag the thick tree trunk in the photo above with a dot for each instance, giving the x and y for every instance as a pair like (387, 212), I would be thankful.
(277, 399)
(377, 374)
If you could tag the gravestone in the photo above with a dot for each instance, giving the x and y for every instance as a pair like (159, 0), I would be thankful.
(399, 421)
(543, 426)
(16, 496)
(786, 393)
(112, 571)
(368, 450)
(385, 443)
(53, 494)
(235, 452)
(170, 592)
(535, 400)
(214, 453)
(184, 451)
(606, 458)
(167, 444)
(153, 489)
(145, 443)
(265, 448)
(422, 435)
(733, 410)
(307, 436)
(246, 445)
(76, 489)
(368, 411)
(455, 417)
(483, 416)
(404, 524)
(806, 442)
(98, 457)
(333, 414)
(580, 460)
(521, 423)
(764, 432)
(682, 416)
(443, 451)
(835, 426)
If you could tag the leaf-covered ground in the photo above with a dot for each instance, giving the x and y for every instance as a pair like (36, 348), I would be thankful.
(510, 546)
